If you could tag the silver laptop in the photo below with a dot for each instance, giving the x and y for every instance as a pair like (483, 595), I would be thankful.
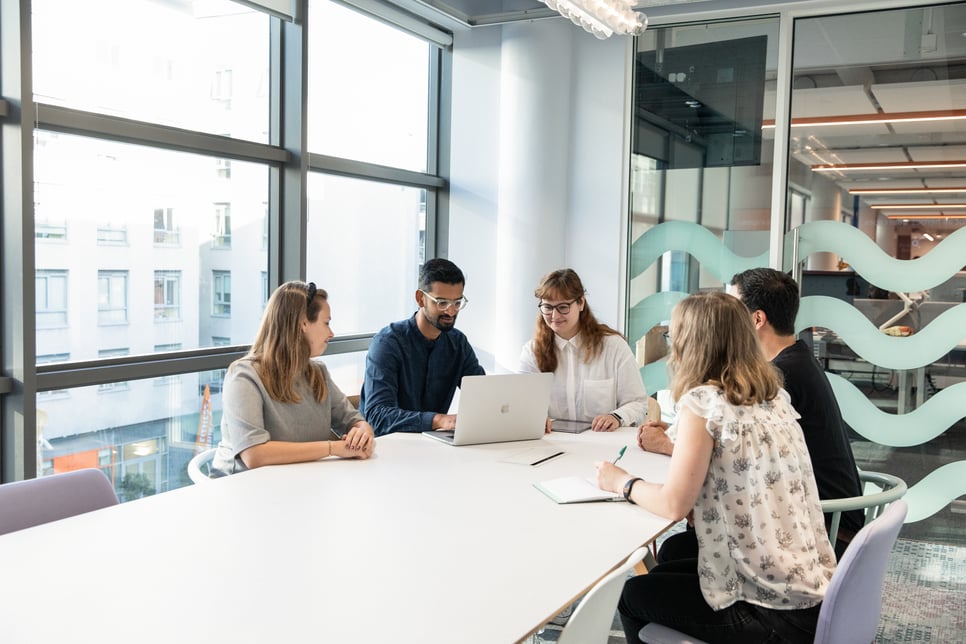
(500, 408)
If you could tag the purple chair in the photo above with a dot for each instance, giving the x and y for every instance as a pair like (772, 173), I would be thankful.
(24, 504)
(853, 600)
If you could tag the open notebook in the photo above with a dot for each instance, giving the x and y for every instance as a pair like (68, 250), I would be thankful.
(574, 489)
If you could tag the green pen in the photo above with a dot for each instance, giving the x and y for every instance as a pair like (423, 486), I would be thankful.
(620, 454)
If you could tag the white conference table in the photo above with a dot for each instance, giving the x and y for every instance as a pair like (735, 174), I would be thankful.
(422, 543)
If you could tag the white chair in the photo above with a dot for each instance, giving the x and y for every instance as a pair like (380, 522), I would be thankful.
(24, 504)
(200, 464)
(891, 488)
(853, 601)
(592, 619)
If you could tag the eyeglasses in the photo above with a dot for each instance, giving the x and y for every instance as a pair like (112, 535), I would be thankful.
(444, 304)
(563, 308)
(313, 289)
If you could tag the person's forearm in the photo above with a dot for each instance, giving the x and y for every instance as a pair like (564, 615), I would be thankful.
(282, 452)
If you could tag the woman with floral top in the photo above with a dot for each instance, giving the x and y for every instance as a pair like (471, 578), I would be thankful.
(741, 472)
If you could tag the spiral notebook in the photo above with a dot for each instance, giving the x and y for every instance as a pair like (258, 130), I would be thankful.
(574, 489)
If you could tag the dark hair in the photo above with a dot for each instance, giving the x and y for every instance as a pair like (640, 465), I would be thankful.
(439, 270)
(565, 284)
(772, 292)
(713, 343)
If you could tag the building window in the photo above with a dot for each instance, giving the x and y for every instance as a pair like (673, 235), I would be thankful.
(221, 293)
(223, 168)
(165, 231)
(221, 238)
(111, 297)
(113, 353)
(221, 86)
(111, 234)
(265, 292)
(167, 295)
(51, 299)
(51, 230)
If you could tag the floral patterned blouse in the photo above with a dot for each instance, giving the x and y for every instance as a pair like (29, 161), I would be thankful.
(761, 532)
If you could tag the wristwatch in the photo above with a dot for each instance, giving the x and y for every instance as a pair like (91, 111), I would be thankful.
(620, 421)
(630, 486)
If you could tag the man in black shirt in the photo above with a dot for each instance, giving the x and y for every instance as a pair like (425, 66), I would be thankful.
(772, 300)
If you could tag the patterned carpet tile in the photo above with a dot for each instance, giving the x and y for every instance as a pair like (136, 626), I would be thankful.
(924, 597)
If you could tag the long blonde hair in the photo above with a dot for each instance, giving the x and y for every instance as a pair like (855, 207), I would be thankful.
(713, 342)
(565, 284)
(280, 352)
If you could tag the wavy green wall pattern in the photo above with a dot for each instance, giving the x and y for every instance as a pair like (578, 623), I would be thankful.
(935, 490)
(697, 240)
(867, 259)
(898, 430)
(925, 347)
(873, 263)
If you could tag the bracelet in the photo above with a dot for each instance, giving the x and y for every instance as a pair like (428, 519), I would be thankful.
(630, 486)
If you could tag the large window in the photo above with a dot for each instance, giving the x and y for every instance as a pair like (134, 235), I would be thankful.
(200, 65)
(384, 119)
(168, 163)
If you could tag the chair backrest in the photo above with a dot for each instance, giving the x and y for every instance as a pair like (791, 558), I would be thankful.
(592, 619)
(24, 504)
(199, 465)
(891, 489)
(853, 601)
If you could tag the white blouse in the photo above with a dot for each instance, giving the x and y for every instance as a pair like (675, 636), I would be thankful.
(760, 528)
(611, 382)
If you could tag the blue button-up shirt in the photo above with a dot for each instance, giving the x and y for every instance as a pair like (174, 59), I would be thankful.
(410, 379)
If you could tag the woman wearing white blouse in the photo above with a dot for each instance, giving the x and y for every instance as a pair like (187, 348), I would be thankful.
(596, 377)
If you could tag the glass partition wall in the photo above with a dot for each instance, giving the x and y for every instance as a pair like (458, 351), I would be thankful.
(170, 197)
(873, 225)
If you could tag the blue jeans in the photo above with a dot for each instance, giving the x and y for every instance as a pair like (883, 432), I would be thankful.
(670, 594)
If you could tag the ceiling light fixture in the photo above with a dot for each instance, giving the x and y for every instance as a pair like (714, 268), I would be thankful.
(916, 206)
(869, 119)
(928, 236)
(904, 191)
(908, 217)
(897, 165)
(603, 18)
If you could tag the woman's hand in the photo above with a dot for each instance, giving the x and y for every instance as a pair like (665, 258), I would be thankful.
(605, 423)
(360, 436)
(546, 429)
(358, 442)
(610, 477)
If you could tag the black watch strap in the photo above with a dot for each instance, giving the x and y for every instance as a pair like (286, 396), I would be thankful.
(620, 421)
(630, 486)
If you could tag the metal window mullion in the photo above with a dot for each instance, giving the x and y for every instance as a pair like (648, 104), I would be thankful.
(372, 171)
(72, 121)
(18, 407)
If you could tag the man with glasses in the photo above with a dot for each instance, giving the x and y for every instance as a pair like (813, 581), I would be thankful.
(415, 365)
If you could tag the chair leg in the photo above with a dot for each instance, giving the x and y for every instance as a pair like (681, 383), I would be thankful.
(648, 562)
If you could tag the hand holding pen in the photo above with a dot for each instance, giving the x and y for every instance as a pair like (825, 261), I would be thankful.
(608, 473)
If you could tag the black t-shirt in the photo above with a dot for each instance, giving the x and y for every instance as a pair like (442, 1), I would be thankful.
(821, 421)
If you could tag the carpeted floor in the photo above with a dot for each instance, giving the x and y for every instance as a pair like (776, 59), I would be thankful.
(924, 597)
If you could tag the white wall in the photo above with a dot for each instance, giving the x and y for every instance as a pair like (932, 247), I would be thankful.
(537, 174)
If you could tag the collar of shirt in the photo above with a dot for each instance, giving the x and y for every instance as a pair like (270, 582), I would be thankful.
(562, 344)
